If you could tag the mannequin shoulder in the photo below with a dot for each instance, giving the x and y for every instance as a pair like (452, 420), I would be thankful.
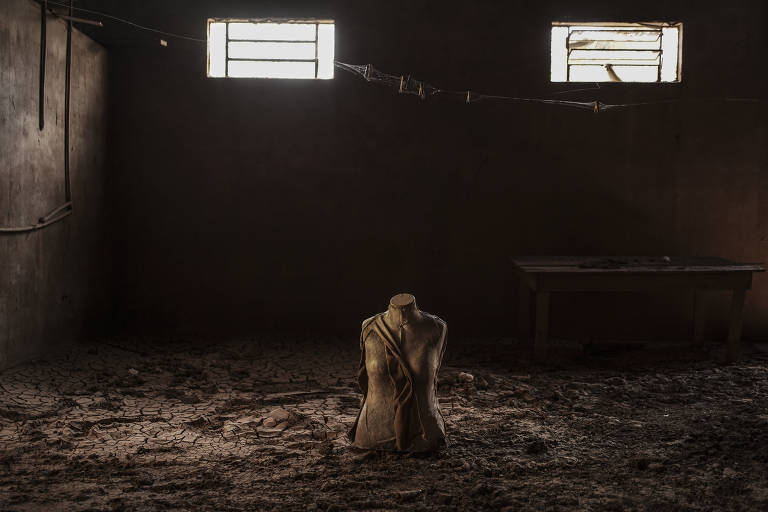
(440, 325)
(436, 320)
(368, 322)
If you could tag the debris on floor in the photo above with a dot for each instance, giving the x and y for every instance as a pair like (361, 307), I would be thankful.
(259, 425)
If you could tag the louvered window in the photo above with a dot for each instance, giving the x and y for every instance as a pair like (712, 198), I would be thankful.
(616, 52)
(270, 49)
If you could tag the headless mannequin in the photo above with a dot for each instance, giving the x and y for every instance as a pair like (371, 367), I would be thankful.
(402, 350)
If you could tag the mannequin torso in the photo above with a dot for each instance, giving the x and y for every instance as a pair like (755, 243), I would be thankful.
(402, 352)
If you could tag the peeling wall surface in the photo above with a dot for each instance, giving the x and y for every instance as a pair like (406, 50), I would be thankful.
(54, 283)
(253, 204)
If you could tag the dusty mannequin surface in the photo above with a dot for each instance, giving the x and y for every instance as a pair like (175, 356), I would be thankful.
(401, 353)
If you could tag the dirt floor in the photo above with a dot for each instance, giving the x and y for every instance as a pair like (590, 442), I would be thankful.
(261, 425)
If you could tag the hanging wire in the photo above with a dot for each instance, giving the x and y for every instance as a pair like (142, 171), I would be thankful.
(53, 217)
(595, 88)
(409, 85)
(131, 23)
(403, 84)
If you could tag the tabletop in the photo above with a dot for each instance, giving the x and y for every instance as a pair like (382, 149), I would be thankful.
(630, 264)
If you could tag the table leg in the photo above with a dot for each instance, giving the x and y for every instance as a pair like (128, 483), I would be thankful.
(542, 325)
(699, 317)
(524, 311)
(734, 329)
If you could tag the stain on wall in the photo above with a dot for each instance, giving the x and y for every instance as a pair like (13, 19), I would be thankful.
(55, 282)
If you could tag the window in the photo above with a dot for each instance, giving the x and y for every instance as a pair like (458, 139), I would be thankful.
(270, 49)
(616, 52)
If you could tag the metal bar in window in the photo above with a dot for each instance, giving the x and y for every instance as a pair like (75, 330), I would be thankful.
(661, 55)
(610, 60)
(567, 66)
(273, 60)
(614, 35)
(639, 26)
(614, 45)
(615, 54)
(226, 52)
(613, 30)
(316, 61)
(235, 39)
(601, 63)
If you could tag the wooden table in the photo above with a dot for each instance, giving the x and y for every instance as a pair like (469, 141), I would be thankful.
(546, 274)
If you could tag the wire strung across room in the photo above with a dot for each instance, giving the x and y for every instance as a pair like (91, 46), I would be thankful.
(406, 84)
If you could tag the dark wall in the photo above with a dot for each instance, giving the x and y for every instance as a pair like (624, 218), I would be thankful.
(54, 283)
(247, 205)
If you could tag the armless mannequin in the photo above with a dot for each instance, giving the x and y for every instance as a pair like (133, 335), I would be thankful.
(401, 353)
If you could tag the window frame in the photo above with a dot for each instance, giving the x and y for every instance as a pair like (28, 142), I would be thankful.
(644, 26)
(302, 21)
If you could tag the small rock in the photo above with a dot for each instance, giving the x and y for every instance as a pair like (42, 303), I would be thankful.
(270, 422)
(465, 377)
(133, 371)
(295, 418)
(282, 426)
(729, 472)
(279, 414)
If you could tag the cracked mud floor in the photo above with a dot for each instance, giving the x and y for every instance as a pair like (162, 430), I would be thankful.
(261, 425)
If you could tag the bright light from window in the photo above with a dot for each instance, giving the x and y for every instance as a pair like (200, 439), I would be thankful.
(616, 52)
(263, 49)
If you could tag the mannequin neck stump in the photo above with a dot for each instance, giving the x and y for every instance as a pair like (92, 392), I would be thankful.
(402, 310)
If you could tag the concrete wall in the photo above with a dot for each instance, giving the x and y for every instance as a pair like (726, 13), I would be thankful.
(54, 283)
(254, 204)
